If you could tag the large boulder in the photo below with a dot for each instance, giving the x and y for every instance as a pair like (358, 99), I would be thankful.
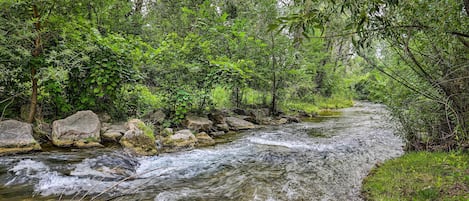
(139, 139)
(239, 124)
(198, 124)
(17, 137)
(81, 130)
(183, 139)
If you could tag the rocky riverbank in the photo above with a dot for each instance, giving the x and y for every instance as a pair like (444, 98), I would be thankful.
(146, 136)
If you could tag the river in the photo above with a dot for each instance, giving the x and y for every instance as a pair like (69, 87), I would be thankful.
(324, 158)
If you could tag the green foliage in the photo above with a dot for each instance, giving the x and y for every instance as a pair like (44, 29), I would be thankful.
(147, 130)
(180, 103)
(420, 176)
(93, 85)
(221, 97)
(181, 56)
(135, 100)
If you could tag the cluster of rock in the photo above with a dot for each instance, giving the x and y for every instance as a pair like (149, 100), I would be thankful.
(85, 129)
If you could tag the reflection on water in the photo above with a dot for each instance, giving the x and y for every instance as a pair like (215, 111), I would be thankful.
(321, 160)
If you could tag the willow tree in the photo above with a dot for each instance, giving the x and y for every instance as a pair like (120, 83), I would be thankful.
(431, 40)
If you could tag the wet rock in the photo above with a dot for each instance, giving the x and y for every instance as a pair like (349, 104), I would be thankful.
(113, 133)
(203, 139)
(292, 119)
(82, 128)
(239, 124)
(280, 121)
(138, 139)
(16, 137)
(183, 139)
(109, 167)
(217, 133)
(198, 124)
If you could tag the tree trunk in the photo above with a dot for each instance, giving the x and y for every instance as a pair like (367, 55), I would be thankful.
(35, 53)
(273, 107)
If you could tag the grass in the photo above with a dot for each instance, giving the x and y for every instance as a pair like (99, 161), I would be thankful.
(320, 104)
(307, 107)
(420, 176)
(221, 97)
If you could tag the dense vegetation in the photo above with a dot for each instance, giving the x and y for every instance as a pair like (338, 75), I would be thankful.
(128, 58)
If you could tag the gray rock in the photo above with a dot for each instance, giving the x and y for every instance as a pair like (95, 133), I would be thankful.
(217, 133)
(183, 139)
(17, 137)
(203, 139)
(80, 130)
(239, 124)
(113, 133)
(182, 135)
(198, 124)
(223, 127)
(136, 141)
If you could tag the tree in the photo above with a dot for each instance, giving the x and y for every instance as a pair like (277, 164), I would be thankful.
(430, 37)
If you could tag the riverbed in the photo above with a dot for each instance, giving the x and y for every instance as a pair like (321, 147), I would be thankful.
(322, 158)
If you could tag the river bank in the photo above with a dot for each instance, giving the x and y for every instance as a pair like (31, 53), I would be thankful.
(420, 176)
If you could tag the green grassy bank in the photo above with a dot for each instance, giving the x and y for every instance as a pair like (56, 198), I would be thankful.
(420, 176)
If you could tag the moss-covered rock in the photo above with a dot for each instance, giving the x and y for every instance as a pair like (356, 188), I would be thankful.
(203, 139)
(181, 140)
(139, 139)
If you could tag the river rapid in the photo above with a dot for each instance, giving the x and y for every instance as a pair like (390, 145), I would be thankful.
(324, 158)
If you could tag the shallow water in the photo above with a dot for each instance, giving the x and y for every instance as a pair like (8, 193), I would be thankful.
(322, 159)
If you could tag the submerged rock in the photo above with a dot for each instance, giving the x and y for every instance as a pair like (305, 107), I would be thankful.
(239, 124)
(139, 139)
(81, 130)
(17, 137)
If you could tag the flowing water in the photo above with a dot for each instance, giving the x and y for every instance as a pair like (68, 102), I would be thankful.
(322, 159)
